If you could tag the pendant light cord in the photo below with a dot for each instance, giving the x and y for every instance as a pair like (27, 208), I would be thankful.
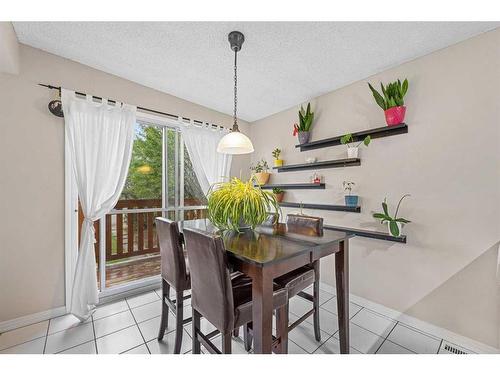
(235, 119)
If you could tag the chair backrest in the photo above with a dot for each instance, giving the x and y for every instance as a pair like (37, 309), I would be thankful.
(309, 225)
(173, 263)
(211, 288)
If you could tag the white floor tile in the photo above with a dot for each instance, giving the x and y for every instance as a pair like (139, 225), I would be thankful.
(328, 322)
(138, 350)
(413, 340)
(110, 309)
(120, 341)
(113, 323)
(70, 337)
(237, 345)
(22, 335)
(148, 311)
(332, 346)
(362, 339)
(299, 306)
(303, 336)
(65, 322)
(86, 348)
(142, 299)
(150, 328)
(293, 348)
(388, 347)
(331, 305)
(166, 346)
(205, 326)
(374, 322)
(30, 347)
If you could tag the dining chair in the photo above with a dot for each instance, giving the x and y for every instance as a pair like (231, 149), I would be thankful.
(296, 281)
(174, 274)
(224, 299)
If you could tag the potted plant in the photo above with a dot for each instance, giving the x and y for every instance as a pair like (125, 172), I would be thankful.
(352, 147)
(395, 224)
(276, 155)
(238, 204)
(350, 200)
(261, 172)
(392, 102)
(305, 122)
(279, 194)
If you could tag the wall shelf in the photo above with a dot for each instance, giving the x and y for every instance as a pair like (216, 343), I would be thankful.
(320, 165)
(294, 186)
(368, 233)
(385, 131)
(314, 206)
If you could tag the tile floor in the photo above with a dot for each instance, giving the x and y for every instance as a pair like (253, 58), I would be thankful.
(130, 326)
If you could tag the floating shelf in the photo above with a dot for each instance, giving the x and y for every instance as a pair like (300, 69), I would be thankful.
(320, 165)
(294, 186)
(385, 131)
(368, 233)
(328, 207)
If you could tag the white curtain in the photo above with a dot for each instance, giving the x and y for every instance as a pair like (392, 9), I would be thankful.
(100, 138)
(209, 165)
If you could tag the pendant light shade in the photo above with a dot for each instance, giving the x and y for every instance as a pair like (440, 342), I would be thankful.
(235, 143)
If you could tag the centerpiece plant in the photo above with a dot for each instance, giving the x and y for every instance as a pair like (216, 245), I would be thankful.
(239, 204)
(303, 129)
(391, 101)
(395, 223)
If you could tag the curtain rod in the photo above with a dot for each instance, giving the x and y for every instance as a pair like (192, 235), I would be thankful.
(140, 108)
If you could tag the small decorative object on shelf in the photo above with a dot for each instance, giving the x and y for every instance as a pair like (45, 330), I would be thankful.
(350, 200)
(261, 172)
(276, 155)
(279, 194)
(353, 147)
(392, 102)
(316, 178)
(394, 224)
(311, 159)
(305, 122)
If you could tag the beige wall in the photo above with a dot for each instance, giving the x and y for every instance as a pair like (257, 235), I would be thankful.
(32, 172)
(449, 161)
(9, 49)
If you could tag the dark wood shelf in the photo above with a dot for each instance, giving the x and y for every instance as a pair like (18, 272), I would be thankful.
(320, 165)
(328, 207)
(385, 131)
(294, 186)
(368, 233)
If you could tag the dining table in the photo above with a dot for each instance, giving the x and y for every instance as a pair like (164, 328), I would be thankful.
(267, 252)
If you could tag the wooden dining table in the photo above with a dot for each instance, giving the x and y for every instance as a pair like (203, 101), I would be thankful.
(266, 253)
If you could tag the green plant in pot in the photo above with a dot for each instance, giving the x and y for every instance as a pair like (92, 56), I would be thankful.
(239, 204)
(303, 129)
(276, 155)
(353, 147)
(395, 224)
(279, 194)
(391, 101)
(350, 200)
(261, 172)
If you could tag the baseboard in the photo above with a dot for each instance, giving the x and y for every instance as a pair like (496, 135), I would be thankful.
(31, 319)
(426, 327)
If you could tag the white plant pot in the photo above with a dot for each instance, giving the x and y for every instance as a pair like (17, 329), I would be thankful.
(352, 152)
(400, 227)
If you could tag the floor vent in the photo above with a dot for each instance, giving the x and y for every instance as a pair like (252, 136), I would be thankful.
(449, 348)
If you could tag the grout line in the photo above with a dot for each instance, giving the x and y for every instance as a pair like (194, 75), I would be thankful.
(46, 337)
(137, 325)
(439, 347)
(356, 314)
(74, 346)
(385, 339)
(95, 338)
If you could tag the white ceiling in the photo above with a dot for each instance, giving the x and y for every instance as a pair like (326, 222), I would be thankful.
(281, 64)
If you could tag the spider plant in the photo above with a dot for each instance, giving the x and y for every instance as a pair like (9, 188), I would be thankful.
(236, 203)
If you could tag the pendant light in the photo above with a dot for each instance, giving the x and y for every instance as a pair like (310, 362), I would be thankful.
(235, 142)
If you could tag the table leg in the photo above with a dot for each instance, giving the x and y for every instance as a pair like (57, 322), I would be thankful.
(342, 284)
(262, 311)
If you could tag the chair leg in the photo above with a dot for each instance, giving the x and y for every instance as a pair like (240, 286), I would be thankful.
(164, 309)
(226, 343)
(236, 332)
(179, 317)
(196, 347)
(247, 337)
(317, 331)
(282, 328)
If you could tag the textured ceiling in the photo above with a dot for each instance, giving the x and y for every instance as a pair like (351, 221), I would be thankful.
(281, 64)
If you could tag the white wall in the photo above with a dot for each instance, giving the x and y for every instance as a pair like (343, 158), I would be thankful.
(32, 172)
(9, 49)
(449, 161)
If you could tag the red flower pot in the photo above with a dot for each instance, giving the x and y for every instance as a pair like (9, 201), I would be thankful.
(395, 115)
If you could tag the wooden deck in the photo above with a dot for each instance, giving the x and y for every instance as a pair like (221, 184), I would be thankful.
(131, 270)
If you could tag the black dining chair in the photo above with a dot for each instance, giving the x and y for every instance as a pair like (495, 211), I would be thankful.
(296, 281)
(174, 274)
(224, 299)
